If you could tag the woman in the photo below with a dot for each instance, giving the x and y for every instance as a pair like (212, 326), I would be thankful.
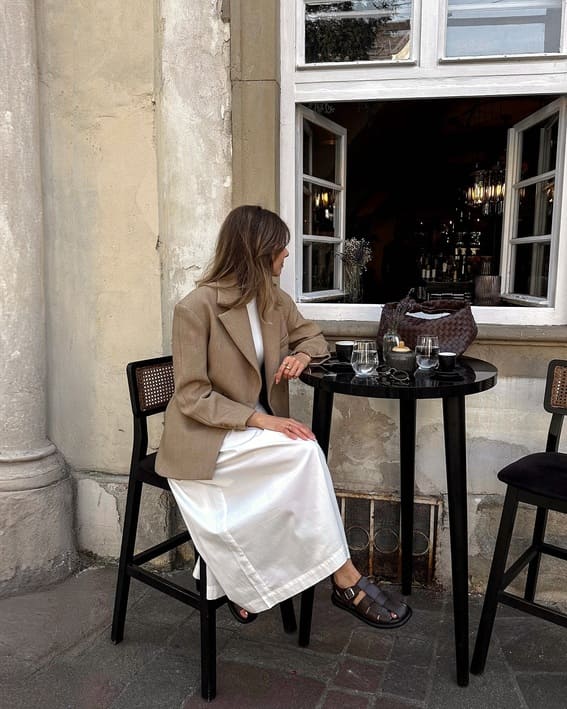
(252, 483)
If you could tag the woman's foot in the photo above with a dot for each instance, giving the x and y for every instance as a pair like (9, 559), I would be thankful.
(241, 614)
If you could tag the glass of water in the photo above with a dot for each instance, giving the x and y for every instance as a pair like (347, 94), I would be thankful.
(364, 358)
(427, 352)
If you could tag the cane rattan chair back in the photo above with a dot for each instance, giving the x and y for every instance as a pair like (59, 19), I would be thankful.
(538, 479)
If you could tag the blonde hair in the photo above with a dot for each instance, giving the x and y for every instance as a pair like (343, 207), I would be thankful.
(248, 240)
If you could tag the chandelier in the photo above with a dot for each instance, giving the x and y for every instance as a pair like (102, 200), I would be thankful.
(487, 190)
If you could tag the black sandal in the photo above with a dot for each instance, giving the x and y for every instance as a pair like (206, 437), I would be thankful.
(375, 608)
(236, 611)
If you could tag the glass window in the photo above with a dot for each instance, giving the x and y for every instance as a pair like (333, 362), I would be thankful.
(321, 204)
(503, 27)
(532, 228)
(358, 30)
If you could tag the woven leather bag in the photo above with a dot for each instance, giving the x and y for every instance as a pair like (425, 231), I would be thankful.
(456, 331)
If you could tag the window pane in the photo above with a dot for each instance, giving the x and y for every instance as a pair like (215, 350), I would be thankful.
(318, 266)
(318, 210)
(539, 148)
(321, 161)
(531, 269)
(359, 30)
(500, 27)
(535, 211)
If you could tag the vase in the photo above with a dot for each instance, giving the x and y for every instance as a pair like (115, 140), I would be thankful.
(390, 340)
(353, 284)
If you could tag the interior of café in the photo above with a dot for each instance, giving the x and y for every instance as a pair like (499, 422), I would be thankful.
(425, 186)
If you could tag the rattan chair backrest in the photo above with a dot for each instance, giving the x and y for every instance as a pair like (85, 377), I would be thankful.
(556, 387)
(151, 385)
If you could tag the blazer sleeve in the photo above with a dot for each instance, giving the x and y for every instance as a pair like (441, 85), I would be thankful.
(194, 393)
(304, 335)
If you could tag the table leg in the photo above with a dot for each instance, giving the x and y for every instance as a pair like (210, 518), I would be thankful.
(407, 484)
(456, 464)
(321, 420)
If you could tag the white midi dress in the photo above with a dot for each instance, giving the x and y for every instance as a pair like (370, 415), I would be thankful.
(267, 524)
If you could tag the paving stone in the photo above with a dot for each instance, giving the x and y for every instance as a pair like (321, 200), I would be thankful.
(530, 644)
(547, 690)
(371, 644)
(293, 659)
(248, 687)
(162, 683)
(55, 619)
(413, 652)
(336, 699)
(358, 675)
(388, 702)
(494, 689)
(406, 683)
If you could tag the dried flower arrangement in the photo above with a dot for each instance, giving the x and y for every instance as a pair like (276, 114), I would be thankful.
(356, 253)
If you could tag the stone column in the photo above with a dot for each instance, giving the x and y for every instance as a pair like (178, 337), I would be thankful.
(193, 130)
(36, 535)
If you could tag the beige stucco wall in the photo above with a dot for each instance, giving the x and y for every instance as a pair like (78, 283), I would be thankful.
(96, 64)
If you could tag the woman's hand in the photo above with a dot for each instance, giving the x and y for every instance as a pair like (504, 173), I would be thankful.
(292, 366)
(289, 427)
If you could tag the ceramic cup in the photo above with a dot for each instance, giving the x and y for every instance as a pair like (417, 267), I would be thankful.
(447, 361)
(344, 350)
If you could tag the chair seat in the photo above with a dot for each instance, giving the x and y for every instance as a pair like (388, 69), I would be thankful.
(539, 473)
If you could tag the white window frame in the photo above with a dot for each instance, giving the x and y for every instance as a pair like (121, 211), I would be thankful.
(427, 79)
(513, 184)
(338, 186)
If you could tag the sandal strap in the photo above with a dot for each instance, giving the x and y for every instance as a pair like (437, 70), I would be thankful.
(347, 594)
(374, 611)
(385, 599)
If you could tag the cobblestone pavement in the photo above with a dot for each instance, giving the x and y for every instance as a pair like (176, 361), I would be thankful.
(55, 653)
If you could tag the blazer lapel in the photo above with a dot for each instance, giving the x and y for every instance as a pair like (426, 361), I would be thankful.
(237, 324)
(271, 337)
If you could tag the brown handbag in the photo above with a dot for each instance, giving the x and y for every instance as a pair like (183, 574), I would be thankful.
(456, 331)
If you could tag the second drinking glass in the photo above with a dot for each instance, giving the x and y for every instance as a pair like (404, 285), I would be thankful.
(364, 358)
(427, 352)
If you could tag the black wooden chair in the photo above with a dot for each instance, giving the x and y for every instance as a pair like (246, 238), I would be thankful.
(539, 479)
(151, 387)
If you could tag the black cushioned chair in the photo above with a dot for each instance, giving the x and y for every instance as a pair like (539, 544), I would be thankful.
(151, 387)
(539, 479)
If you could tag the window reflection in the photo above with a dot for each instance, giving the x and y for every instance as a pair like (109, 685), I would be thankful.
(503, 27)
(359, 30)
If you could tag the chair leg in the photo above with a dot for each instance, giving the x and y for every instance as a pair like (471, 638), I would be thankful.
(288, 616)
(537, 540)
(305, 616)
(126, 554)
(494, 585)
(208, 639)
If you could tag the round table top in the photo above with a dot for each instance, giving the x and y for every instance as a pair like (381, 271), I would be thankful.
(471, 376)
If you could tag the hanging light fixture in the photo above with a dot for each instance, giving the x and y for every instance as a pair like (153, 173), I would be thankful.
(487, 190)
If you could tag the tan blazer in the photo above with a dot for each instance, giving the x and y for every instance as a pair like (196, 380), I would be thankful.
(217, 378)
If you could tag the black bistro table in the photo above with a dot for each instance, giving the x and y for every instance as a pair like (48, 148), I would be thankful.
(472, 376)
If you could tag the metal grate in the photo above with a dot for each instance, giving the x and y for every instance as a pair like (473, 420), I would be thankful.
(155, 386)
(372, 525)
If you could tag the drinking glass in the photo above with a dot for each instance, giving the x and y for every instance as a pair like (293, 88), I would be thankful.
(427, 352)
(364, 358)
